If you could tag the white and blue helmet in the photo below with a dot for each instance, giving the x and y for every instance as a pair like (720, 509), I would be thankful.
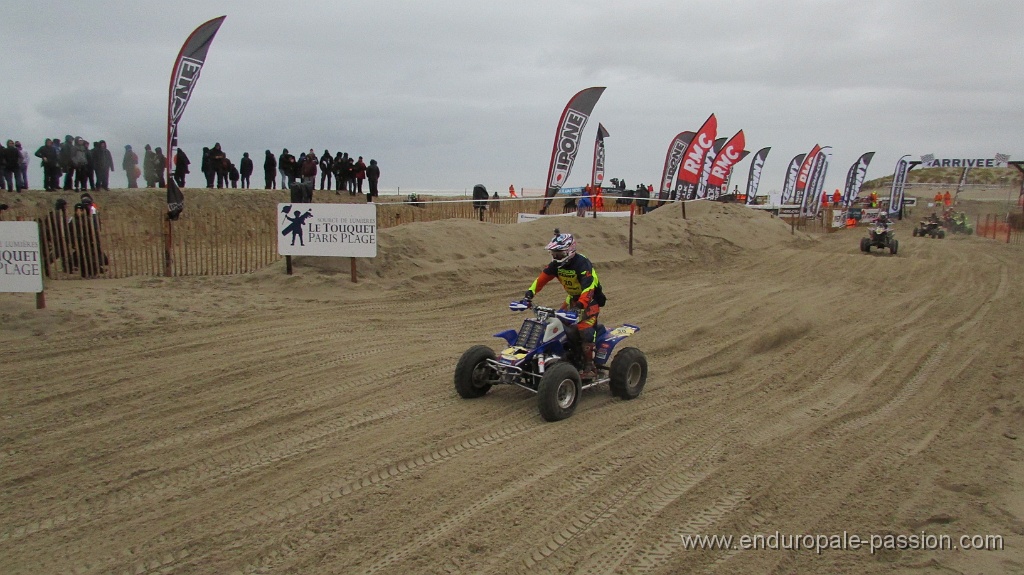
(562, 247)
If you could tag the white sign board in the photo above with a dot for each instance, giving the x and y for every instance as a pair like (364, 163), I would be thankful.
(21, 265)
(345, 230)
(839, 218)
(522, 218)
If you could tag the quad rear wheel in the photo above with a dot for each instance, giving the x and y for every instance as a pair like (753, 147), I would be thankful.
(628, 373)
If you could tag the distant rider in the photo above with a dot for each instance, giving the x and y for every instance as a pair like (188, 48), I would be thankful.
(579, 279)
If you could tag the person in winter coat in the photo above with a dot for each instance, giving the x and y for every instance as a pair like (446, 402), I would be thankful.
(245, 168)
(11, 168)
(64, 156)
(372, 176)
(130, 165)
(102, 165)
(326, 169)
(160, 168)
(47, 155)
(270, 171)
(219, 165)
(336, 166)
(286, 165)
(80, 161)
(181, 163)
(22, 165)
(308, 169)
(359, 171)
(207, 168)
(148, 167)
(232, 173)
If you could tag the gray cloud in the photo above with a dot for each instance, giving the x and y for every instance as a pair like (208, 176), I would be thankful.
(446, 95)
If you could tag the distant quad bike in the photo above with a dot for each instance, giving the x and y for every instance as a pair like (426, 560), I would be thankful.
(545, 356)
(959, 225)
(880, 236)
(929, 228)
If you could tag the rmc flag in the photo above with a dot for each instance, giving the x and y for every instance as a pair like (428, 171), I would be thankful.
(567, 139)
(730, 154)
(804, 175)
(692, 166)
(184, 77)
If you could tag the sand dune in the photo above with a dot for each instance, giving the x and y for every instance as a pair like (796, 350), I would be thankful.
(268, 423)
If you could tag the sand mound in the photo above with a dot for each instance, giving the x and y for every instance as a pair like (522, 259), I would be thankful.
(465, 249)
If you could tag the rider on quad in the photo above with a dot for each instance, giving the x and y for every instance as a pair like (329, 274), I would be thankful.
(579, 279)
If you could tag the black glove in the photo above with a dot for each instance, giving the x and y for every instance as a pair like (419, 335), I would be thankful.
(529, 295)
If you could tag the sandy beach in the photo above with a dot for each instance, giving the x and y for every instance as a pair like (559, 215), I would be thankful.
(266, 423)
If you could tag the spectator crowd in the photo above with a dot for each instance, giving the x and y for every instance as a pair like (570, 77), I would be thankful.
(76, 164)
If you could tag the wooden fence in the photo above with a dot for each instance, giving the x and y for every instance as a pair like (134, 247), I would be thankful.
(116, 246)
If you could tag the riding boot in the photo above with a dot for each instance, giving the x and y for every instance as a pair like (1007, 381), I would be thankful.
(589, 369)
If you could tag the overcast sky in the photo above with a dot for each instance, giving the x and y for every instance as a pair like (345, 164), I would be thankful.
(445, 95)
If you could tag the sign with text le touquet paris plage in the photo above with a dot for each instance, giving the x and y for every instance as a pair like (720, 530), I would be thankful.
(21, 267)
(340, 230)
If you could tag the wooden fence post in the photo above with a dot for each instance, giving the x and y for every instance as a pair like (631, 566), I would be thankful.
(44, 254)
(168, 247)
(631, 211)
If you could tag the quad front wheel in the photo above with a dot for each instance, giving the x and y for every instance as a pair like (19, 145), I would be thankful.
(893, 246)
(473, 375)
(628, 373)
(559, 391)
(865, 245)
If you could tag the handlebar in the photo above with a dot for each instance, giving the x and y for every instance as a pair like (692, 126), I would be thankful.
(565, 315)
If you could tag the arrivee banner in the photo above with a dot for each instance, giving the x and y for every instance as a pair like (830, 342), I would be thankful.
(345, 230)
(999, 161)
(21, 267)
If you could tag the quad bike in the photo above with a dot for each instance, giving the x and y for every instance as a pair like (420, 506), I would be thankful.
(929, 228)
(545, 356)
(958, 224)
(881, 237)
